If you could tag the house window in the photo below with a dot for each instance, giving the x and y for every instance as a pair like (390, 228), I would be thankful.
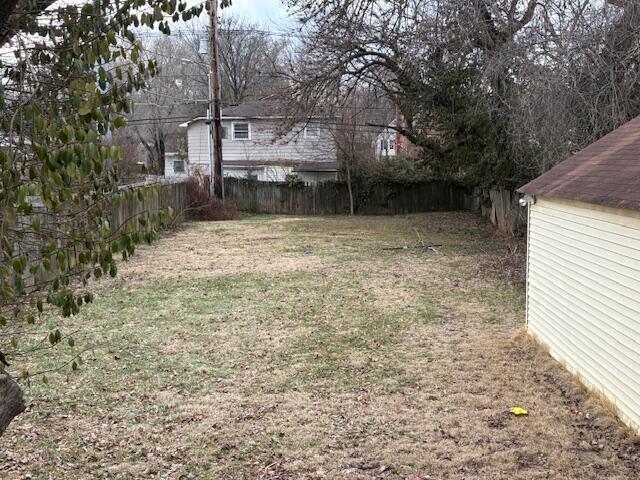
(392, 145)
(178, 166)
(312, 131)
(225, 133)
(241, 131)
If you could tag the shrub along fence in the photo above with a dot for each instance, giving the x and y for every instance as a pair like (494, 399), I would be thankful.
(330, 198)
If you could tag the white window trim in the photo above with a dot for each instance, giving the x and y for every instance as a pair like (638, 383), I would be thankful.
(306, 135)
(233, 132)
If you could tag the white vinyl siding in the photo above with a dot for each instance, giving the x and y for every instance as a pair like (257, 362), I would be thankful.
(235, 172)
(198, 146)
(316, 177)
(583, 295)
(263, 145)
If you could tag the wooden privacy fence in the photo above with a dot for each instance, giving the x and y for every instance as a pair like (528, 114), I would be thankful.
(170, 194)
(506, 213)
(501, 207)
(330, 198)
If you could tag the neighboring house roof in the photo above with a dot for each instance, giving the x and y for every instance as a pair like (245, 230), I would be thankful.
(298, 166)
(316, 167)
(254, 109)
(606, 172)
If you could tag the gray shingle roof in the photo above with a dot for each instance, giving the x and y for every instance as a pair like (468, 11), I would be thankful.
(607, 172)
(256, 108)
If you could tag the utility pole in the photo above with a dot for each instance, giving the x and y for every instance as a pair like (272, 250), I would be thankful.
(216, 131)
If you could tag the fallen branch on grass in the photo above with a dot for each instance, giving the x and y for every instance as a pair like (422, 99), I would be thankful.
(433, 248)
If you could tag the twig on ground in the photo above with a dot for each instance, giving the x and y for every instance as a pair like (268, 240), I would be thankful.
(269, 467)
(419, 237)
(433, 248)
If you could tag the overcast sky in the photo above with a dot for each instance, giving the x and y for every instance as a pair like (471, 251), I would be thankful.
(269, 13)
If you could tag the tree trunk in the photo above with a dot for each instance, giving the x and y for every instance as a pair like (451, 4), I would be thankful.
(349, 187)
(11, 401)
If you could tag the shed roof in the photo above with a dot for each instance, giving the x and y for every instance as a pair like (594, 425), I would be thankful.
(607, 172)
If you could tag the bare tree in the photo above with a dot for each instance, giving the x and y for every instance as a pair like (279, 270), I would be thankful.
(249, 58)
(360, 117)
(177, 94)
(181, 89)
(511, 86)
(577, 80)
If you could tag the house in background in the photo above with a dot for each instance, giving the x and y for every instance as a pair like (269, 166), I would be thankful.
(391, 143)
(385, 142)
(583, 269)
(253, 148)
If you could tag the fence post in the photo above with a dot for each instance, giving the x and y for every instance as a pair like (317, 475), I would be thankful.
(314, 193)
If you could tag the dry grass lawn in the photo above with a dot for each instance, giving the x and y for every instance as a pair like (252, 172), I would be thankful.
(305, 348)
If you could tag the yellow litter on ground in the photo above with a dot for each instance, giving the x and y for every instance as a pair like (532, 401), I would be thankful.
(519, 411)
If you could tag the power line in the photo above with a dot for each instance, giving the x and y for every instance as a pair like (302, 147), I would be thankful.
(273, 33)
(324, 125)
